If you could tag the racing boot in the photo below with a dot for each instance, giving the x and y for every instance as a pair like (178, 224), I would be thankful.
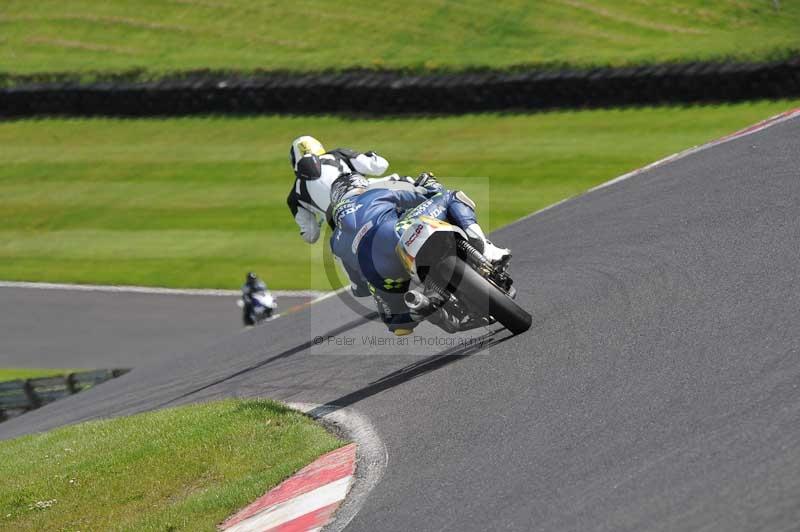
(499, 257)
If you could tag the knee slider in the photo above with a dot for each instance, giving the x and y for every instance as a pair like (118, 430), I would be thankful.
(461, 196)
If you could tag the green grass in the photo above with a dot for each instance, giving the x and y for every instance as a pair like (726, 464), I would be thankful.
(10, 374)
(180, 469)
(198, 202)
(87, 35)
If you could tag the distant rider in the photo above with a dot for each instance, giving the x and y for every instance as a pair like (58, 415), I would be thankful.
(253, 285)
(315, 171)
(367, 232)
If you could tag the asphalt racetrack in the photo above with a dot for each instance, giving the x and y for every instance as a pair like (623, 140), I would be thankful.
(95, 329)
(658, 388)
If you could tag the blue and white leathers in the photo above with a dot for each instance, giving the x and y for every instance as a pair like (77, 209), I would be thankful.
(367, 232)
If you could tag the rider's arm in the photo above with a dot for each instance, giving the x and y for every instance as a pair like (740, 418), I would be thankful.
(309, 225)
(407, 199)
(369, 163)
(426, 186)
(305, 219)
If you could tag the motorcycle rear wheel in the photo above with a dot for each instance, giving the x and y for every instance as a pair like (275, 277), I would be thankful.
(479, 294)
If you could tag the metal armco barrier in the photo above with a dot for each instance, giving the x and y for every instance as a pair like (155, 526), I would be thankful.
(390, 92)
(19, 396)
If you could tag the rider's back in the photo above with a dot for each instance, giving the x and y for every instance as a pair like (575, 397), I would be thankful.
(365, 236)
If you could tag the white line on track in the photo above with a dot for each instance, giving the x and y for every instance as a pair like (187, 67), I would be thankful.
(769, 122)
(760, 126)
(154, 290)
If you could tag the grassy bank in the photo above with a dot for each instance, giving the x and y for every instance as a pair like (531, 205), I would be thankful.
(198, 202)
(180, 469)
(10, 374)
(86, 35)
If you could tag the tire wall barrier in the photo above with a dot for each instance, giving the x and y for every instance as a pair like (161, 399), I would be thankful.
(386, 92)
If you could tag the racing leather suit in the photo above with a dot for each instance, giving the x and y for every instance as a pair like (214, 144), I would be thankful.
(369, 226)
(309, 199)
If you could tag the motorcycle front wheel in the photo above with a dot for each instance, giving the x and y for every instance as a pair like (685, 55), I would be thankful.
(480, 295)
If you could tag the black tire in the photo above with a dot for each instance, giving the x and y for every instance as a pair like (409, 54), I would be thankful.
(481, 295)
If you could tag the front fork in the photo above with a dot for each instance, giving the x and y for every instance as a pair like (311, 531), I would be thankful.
(496, 274)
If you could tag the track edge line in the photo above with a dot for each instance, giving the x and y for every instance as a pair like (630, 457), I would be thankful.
(154, 289)
(749, 130)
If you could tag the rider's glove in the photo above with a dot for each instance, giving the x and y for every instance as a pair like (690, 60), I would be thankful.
(428, 181)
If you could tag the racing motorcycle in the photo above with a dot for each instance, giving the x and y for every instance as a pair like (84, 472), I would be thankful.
(456, 287)
(257, 306)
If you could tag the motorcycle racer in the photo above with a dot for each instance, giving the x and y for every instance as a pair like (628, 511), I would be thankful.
(315, 170)
(253, 284)
(256, 302)
(369, 224)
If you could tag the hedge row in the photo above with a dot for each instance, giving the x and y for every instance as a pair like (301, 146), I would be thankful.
(398, 93)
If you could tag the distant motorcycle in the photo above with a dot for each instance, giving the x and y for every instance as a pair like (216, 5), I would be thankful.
(450, 274)
(257, 306)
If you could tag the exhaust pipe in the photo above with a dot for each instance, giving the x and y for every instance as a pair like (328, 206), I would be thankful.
(416, 301)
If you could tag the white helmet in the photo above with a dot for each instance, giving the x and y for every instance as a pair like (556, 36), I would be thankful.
(305, 145)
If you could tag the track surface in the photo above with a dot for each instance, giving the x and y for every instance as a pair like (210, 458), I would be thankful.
(75, 329)
(658, 389)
